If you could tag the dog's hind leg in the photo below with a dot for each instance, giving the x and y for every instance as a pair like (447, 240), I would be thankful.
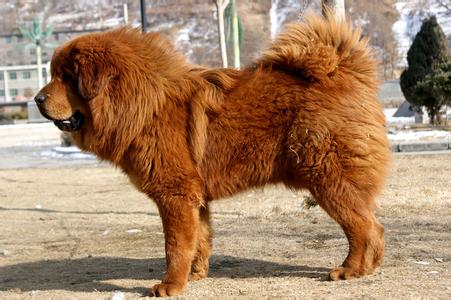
(353, 209)
(199, 267)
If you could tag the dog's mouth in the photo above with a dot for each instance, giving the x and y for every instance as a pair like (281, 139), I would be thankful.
(73, 123)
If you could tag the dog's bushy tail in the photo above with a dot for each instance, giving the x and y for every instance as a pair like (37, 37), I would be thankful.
(317, 47)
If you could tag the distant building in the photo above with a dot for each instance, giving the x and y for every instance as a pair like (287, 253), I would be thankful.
(405, 111)
(16, 63)
(20, 83)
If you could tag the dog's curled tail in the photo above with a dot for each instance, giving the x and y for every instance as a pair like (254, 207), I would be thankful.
(317, 47)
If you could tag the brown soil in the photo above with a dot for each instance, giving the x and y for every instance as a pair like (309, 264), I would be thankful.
(64, 235)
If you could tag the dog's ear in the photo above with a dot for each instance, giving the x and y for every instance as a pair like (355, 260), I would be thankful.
(92, 74)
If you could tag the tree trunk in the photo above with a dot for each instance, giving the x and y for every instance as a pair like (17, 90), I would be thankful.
(236, 42)
(434, 115)
(220, 7)
(337, 7)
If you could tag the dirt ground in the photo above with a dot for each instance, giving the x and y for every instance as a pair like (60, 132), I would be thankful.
(84, 232)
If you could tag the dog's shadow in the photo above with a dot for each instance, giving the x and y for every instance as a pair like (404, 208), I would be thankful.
(90, 273)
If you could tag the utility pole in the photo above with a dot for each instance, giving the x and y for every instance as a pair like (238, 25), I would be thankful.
(143, 16)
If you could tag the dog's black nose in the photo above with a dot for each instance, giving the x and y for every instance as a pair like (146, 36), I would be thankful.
(40, 98)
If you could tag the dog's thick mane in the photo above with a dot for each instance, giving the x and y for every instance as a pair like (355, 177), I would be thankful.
(150, 61)
(313, 49)
(151, 74)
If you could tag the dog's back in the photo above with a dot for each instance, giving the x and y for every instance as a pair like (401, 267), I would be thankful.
(310, 97)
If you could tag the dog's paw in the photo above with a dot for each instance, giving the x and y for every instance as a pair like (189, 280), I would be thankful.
(343, 273)
(166, 289)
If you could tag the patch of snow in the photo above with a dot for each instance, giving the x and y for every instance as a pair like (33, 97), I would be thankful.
(67, 150)
(361, 21)
(401, 120)
(118, 296)
(113, 22)
(419, 135)
(183, 35)
(134, 230)
(71, 153)
(281, 10)
(389, 112)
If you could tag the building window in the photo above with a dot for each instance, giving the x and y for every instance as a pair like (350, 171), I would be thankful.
(33, 51)
(14, 92)
(1, 76)
(12, 75)
(8, 40)
(26, 75)
(2, 93)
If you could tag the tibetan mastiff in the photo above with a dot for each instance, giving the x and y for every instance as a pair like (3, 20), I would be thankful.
(304, 113)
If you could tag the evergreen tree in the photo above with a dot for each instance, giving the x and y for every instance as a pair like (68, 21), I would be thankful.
(434, 91)
(427, 53)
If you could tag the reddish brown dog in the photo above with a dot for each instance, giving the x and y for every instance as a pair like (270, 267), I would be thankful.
(304, 114)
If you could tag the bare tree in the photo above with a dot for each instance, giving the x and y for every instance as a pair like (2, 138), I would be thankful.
(336, 6)
(445, 4)
(220, 7)
(376, 19)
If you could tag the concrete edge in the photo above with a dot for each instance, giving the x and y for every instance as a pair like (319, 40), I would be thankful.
(418, 146)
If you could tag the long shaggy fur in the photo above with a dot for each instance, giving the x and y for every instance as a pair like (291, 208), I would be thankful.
(304, 114)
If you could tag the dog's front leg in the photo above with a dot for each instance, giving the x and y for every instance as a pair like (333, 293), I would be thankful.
(180, 217)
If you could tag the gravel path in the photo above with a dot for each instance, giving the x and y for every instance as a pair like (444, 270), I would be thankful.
(82, 232)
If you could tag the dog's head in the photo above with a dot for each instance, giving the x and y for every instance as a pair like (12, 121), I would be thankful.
(106, 87)
(81, 71)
